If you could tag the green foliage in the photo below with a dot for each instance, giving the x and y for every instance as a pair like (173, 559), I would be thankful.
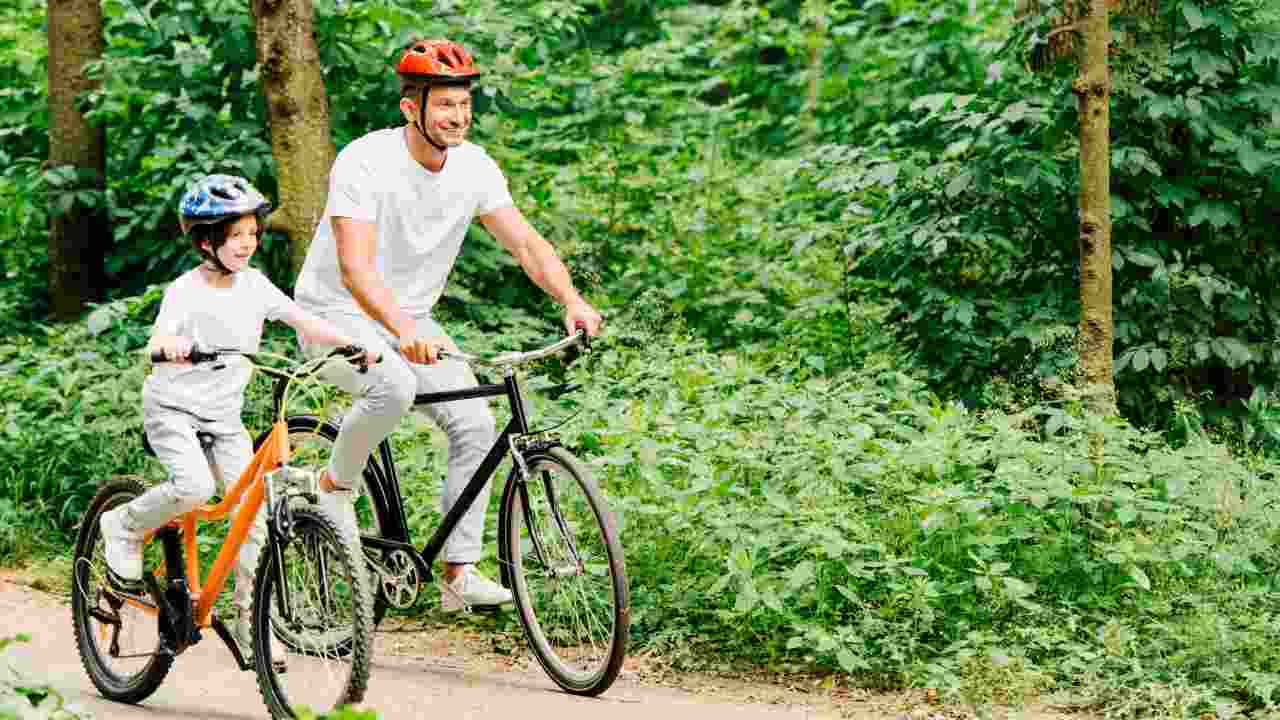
(789, 490)
(22, 698)
(975, 224)
(862, 524)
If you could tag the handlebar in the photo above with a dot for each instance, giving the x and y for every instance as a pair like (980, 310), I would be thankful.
(352, 353)
(197, 356)
(512, 359)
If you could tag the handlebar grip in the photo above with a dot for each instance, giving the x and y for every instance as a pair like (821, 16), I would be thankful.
(197, 356)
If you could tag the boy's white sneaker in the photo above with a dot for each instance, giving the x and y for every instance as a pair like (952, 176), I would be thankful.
(123, 550)
(471, 589)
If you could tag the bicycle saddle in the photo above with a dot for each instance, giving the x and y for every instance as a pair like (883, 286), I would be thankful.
(205, 438)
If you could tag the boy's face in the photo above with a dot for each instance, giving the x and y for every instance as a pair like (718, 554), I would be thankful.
(242, 242)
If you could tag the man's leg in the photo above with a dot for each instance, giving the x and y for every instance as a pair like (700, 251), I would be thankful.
(469, 426)
(380, 399)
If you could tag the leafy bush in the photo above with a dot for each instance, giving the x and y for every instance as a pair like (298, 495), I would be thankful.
(975, 229)
(862, 524)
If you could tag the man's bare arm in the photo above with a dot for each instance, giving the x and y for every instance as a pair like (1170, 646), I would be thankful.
(543, 266)
(357, 245)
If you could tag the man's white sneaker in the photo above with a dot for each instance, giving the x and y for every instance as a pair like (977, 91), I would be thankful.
(242, 631)
(340, 505)
(471, 589)
(123, 551)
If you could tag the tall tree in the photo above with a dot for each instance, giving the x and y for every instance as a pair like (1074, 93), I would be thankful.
(78, 232)
(1092, 88)
(298, 111)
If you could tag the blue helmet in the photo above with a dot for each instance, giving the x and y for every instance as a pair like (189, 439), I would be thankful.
(214, 198)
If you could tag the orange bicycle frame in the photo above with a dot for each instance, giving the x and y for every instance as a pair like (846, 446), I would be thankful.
(249, 492)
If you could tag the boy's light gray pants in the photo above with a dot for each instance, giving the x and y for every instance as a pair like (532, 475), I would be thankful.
(172, 434)
(384, 395)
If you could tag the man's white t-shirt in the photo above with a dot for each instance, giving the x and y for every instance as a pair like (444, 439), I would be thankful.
(214, 318)
(421, 217)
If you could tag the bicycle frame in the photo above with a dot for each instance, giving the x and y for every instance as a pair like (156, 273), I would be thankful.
(388, 479)
(249, 492)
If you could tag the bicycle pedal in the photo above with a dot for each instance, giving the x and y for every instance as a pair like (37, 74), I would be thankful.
(123, 586)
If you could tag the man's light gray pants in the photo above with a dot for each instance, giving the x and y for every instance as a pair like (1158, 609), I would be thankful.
(384, 395)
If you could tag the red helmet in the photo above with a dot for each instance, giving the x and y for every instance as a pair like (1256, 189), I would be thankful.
(440, 58)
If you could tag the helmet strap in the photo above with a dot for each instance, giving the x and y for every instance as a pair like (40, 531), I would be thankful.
(212, 260)
(421, 124)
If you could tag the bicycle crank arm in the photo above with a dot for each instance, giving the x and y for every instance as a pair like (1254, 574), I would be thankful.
(220, 628)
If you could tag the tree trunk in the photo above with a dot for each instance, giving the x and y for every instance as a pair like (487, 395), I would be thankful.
(78, 237)
(1092, 89)
(298, 111)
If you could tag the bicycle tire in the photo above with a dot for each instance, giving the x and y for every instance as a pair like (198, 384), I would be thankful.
(300, 428)
(527, 566)
(136, 687)
(311, 524)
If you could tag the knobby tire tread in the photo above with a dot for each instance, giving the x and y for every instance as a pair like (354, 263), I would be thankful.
(361, 647)
(149, 679)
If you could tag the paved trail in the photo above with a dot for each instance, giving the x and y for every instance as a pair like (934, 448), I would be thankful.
(204, 685)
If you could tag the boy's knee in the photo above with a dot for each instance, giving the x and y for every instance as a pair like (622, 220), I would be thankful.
(192, 494)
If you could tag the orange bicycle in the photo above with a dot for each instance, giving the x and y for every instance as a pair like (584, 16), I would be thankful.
(311, 588)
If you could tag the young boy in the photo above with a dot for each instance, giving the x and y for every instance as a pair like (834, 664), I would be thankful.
(221, 303)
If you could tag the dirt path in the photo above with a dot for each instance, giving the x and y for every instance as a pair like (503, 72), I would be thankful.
(450, 671)
(404, 682)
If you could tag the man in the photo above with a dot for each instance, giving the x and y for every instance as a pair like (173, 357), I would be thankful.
(400, 202)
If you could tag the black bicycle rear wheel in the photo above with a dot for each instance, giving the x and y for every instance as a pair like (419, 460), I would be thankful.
(560, 549)
(118, 640)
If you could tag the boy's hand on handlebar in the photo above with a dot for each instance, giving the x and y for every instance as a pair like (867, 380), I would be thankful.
(581, 316)
(358, 355)
(172, 348)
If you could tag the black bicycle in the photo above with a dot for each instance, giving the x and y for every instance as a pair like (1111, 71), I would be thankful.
(558, 545)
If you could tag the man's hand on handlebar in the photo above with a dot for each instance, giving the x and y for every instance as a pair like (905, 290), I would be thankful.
(580, 315)
(423, 349)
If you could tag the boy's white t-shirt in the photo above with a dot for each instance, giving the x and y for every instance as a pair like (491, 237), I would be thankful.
(229, 318)
(421, 217)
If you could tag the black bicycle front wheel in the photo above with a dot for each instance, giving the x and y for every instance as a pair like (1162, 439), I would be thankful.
(118, 637)
(560, 550)
(314, 591)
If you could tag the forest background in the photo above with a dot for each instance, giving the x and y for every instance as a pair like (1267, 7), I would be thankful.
(839, 407)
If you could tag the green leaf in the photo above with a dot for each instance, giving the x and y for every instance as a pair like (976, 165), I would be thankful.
(1140, 577)
(848, 661)
(1191, 11)
(1251, 159)
(884, 174)
(801, 575)
(1159, 359)
(1202, 350)
(1015, 588)
(1141, 359)
(959, 183)
(1144, 259)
